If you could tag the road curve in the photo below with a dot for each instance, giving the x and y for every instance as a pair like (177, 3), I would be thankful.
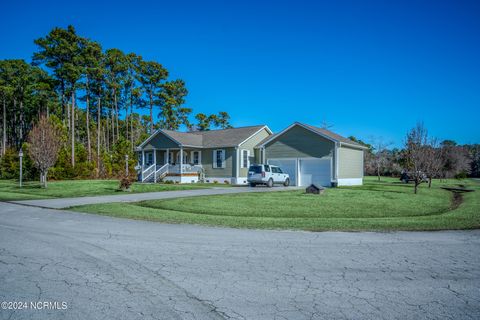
(107, 268)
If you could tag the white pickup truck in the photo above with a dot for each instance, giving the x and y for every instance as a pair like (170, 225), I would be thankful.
(267, 175)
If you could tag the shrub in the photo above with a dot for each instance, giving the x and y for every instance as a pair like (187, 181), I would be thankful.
(125, 183)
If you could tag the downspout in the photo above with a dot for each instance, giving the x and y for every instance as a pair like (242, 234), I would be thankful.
(337, 145)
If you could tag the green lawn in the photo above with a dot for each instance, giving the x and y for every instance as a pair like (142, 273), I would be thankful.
(379, 206)
(10, 191)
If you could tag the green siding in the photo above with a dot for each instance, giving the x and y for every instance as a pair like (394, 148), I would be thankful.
(299, 142)
(350, 163)
(160, 157)
(160, 141)
(207, 162)
(250, 145)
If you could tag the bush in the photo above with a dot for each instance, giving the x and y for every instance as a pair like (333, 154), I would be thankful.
(125, 183)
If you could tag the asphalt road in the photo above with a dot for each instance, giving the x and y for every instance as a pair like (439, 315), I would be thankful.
(107, 268)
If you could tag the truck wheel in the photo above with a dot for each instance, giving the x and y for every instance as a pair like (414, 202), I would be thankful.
(270, 183)
(253, 185)
(287, 182)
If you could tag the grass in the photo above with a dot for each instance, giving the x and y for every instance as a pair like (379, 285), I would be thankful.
(375, 206)
(10, 191)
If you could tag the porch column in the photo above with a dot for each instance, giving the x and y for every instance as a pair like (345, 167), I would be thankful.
(181, 163)
(167, 158)
(155, 157)
(143, 164)
(237, 165)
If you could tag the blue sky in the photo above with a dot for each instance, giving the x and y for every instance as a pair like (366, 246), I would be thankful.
(369, 68)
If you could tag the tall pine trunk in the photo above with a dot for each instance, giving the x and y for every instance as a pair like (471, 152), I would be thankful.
(89, 146)
(99, 121)
(117, 135)
(4, 128)
(72, 128)
(22, 124)
(131, 122)
(151, 114)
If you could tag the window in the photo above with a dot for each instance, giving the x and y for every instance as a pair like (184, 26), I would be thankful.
(267, 168)
(219, 158)
(255, 169)
(149, 158)
(196, 157)
(274, 169)
(245, 161)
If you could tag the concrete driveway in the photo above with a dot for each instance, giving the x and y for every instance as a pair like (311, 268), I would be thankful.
(107, 268)
(62, 203)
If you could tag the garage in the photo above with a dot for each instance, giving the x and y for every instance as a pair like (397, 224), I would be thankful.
(288, 166)
(316, 171)
(314, 155)
(311, 170)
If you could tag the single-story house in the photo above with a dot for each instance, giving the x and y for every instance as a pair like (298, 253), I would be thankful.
(308, 154)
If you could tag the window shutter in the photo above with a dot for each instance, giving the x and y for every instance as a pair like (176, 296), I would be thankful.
(223, 158)
(214, 158)
(248, 158)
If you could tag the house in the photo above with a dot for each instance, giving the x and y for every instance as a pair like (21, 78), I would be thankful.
(308, 154)
(221, 156)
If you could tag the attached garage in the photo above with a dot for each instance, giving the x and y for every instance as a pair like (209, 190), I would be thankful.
(289, 166)
(306, 171)
(314, 155)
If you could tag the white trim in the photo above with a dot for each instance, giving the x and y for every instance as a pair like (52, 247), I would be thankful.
(240, 181)
(237, 166)
(337, 161)
(350, 182)
(251, 136)
(242, 158)
(192, 157)
(353, 146)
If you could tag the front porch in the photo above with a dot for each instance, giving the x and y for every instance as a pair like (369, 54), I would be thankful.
(181, 165)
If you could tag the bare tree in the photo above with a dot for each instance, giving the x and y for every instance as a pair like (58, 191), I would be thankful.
(416, 153)
(380, 155)
(44, 143)
(435, 160)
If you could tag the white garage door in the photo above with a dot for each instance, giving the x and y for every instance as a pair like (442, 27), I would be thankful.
(317, 171)
(288, 166)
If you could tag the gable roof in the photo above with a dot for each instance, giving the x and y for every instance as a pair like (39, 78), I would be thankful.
(212, 138)
(320, 131)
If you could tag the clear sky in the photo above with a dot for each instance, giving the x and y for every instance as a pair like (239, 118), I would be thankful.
(369, 68)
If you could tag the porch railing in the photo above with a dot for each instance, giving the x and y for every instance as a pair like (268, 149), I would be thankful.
(147, 173)
(186, 168)
(161, 172)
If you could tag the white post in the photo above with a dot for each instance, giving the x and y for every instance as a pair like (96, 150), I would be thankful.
(155, 157)
(167, 158)
(237, 167)
(143, 163)
(181, 163)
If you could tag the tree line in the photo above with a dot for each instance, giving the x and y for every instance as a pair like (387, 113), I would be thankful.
(105, 102)
(422, 158)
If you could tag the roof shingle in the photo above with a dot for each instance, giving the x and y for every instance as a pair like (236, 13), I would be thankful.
(214, 138)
